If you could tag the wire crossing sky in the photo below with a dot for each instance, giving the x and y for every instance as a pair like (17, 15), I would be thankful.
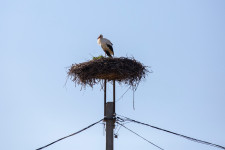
(69, 135)
(140, 136)
(122, 121)
(186, 137)
(182, 41)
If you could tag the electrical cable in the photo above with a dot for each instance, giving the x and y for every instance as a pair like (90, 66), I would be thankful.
(70, 135)
(133, 99)
(186, 137)
(116, 132)
(140, 136)
(122, 94)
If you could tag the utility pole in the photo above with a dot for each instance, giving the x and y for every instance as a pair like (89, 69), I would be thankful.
(109, 125)
(109, 113)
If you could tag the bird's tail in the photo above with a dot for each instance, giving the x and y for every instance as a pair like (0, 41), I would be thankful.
(108, 54)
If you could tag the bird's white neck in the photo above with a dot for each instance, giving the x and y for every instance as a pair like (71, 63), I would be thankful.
(99, 41)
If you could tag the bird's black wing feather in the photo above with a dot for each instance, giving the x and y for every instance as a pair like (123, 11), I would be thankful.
(110, 47)
(108, 54)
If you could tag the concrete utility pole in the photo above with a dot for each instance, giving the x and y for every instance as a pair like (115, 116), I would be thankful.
(109, 125)
(109, 114)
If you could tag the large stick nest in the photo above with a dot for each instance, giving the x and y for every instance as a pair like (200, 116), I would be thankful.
(123, 70)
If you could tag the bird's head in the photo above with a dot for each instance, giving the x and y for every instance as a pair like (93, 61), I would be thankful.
(100, 36)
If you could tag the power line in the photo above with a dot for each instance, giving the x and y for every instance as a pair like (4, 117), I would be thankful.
(70, 135)
(122, 94)
(186, 137)
(116, 132)
(140, 136)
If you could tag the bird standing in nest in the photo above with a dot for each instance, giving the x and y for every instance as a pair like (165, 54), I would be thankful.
(106, 45)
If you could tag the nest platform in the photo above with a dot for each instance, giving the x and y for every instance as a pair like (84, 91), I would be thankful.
(123, 70)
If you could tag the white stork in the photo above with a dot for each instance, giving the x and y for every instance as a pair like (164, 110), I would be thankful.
(106, 45)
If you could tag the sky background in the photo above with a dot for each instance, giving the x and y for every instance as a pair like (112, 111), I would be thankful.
(182, 41)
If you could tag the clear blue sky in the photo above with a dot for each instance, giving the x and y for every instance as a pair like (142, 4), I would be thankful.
(182, 41)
